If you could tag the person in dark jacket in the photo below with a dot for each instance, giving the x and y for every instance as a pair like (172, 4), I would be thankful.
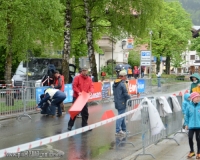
(195, 78)
(55, 96)
(120, 91)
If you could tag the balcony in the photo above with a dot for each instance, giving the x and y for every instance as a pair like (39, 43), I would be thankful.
(106, 43)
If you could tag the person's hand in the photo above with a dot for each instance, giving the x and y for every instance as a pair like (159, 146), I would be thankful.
(186, 127)
(199, 85)
(52, 85)
(38, 109)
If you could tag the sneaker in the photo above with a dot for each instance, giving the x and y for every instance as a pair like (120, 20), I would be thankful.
(59, 115)
(69, 128)
(79, 115)
(191, 154)
(120, 133)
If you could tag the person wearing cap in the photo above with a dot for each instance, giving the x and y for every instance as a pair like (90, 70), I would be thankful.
(192, 122)
(81, 83)
(79, 72)
(120, 91)
(59, 83)
(55, 96)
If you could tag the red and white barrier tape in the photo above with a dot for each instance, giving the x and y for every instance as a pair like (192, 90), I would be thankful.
(34, 144)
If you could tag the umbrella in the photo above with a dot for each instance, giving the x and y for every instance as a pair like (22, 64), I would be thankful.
(119, 67)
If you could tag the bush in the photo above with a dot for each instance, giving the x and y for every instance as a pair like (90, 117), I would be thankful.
(165, 76)
(182, 78)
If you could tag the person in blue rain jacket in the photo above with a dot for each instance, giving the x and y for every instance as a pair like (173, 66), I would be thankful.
(192, 122)
(185, 104)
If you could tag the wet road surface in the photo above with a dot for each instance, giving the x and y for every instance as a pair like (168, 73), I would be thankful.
(97, 144)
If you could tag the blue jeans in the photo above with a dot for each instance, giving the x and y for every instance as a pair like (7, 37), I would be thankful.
(120, 123)
(159, 83)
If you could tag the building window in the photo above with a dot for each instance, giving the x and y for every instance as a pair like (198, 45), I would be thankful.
(192, 57)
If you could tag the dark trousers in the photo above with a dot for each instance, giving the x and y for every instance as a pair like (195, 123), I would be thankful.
(190, 136)
(84, 114)
(58, 101)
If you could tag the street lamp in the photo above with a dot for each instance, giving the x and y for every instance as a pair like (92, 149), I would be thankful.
(150, 33)
(123, 44)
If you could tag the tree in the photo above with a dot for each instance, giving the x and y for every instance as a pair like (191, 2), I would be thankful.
(195, 44)
(171, 32)
(177, 60)
(67, 41)
(134, 58)
(26, 24)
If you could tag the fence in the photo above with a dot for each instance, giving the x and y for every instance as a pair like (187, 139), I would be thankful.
(18, 101)
(22, 100)
(172, 123)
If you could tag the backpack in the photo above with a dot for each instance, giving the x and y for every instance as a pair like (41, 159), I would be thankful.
(103, 73)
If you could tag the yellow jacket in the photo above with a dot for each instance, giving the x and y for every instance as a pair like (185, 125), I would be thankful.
(196, 89)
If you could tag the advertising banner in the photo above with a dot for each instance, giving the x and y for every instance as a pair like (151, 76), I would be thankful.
(38, 92)
(140, 86)
(111, 84)
(132, 86)
(97, 92)
(106, 90)
(69, 93)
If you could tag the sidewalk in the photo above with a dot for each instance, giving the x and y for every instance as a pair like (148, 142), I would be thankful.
(166, 150)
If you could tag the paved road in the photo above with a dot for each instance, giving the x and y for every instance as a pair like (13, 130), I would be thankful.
(98, 144)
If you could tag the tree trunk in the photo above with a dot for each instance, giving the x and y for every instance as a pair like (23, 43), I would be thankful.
(168, 64)
(157, 64)
(77, 62)
(89, 35)
(8, 64)
(67, 42)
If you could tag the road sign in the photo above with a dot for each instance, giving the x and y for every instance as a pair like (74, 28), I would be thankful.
(145, 63)
(146, 55)
(145, 58)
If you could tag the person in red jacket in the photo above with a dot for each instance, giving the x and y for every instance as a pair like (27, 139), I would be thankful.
(81, 83)
(59, 83)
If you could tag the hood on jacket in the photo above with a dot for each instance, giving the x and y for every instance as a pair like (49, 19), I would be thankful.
(196, 75)
(186, 96)
(116, 82)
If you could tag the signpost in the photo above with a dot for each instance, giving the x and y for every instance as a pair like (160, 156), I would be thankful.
(145, 59)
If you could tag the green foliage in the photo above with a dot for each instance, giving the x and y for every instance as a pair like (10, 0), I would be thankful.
(195, 44)
(26, 25)
(177, 60)
(171, 32)
(134, 58)
(172, 76)
(108, 69)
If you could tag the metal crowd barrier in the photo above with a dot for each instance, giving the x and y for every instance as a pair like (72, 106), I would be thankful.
(18, 101)
(147, 138)
(11, 102)
(172, 123)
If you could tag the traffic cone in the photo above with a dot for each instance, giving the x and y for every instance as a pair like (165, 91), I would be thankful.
(135, 106)
(107, 114)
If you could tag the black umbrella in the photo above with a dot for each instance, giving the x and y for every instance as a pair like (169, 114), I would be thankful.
(119, 67)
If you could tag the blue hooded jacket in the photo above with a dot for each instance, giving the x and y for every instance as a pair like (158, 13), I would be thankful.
(192, 116)
(185, 102)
